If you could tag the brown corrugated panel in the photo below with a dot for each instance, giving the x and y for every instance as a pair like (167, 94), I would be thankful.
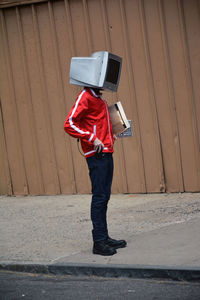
(159, 41)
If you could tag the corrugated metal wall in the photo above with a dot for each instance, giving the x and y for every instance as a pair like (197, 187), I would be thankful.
(159, 41)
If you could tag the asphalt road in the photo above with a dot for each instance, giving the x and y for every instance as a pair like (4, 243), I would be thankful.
(14, 286)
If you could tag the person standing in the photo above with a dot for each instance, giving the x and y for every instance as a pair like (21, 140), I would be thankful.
(89, 121)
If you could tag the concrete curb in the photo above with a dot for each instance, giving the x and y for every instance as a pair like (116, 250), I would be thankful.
(113, 271)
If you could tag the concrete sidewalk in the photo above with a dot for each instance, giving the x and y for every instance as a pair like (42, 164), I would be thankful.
(162, 232)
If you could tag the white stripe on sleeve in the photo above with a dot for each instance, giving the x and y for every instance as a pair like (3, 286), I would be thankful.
(70, 118)
(91, 137)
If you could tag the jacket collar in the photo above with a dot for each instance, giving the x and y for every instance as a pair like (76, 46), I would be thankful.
(93, 93)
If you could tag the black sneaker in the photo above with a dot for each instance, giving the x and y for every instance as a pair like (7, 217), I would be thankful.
(102, 248)
(116, 243)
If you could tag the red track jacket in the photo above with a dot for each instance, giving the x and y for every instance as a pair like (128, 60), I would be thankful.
(89, 118)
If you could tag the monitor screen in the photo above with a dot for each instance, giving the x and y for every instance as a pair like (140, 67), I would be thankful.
(113, 71)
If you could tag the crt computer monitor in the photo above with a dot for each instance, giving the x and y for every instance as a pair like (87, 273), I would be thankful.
(101, 70)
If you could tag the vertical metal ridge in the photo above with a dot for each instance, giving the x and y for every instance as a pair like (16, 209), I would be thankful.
(151, 88)
(70, 27)
(58, 66)
(108, 43)
(29, 97)
(6, 162)
(169, 76)
(106, 26)
(59, 79)
(198, 7)
(107, 35)
(45, 94)
(87, 25)
(73, 52)
(13, 96)
(132, 86)
(123, 162)
(188, 73)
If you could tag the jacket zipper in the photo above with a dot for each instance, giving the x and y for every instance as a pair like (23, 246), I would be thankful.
(94, 129)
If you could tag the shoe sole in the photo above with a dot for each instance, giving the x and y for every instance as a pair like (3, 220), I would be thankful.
(117, 247)
(104, 254)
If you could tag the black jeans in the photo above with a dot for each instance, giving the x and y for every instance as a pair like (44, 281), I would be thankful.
(101, 175)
